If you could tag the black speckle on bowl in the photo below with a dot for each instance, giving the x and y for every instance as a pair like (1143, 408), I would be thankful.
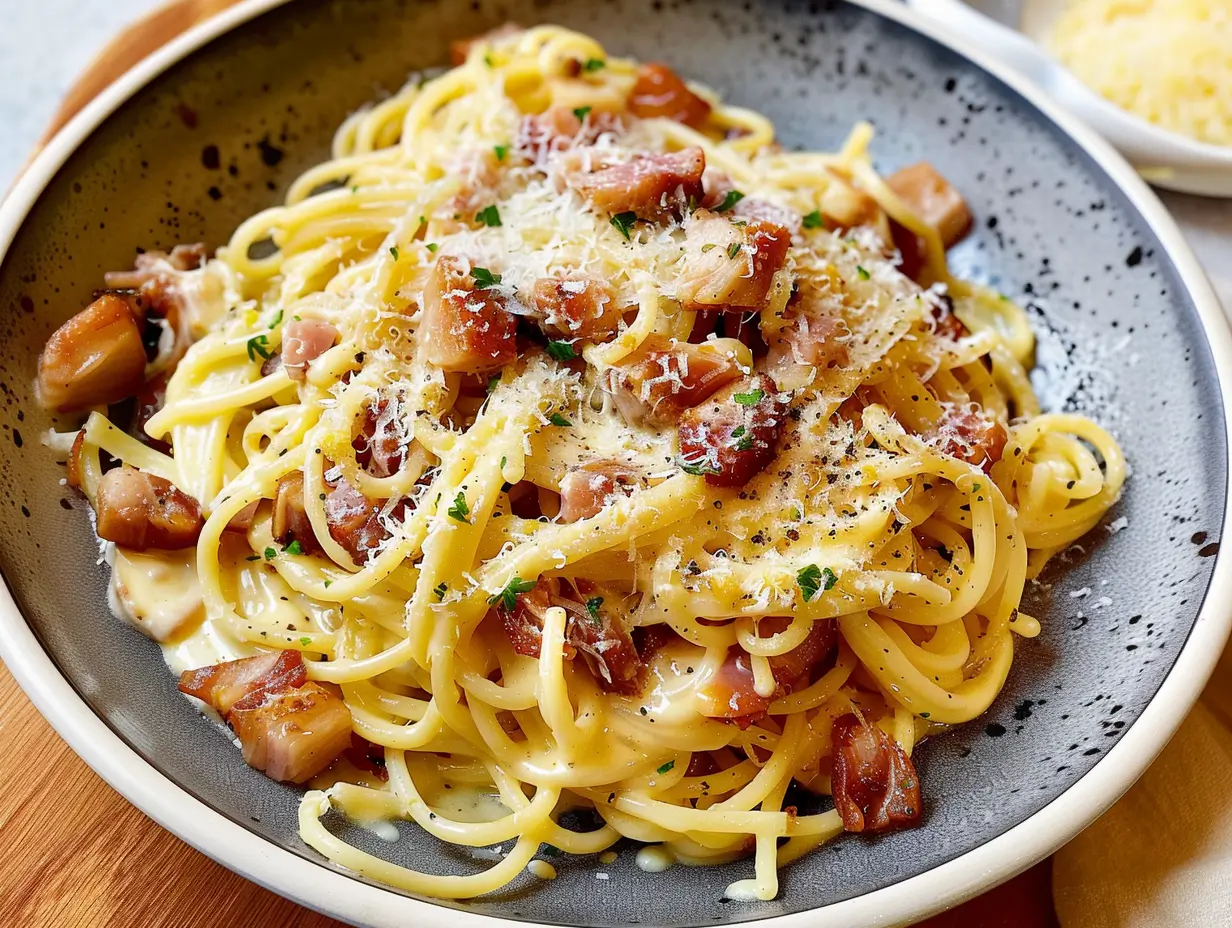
(201, 149)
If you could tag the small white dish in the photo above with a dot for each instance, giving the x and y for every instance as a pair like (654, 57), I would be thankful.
(1012, 31)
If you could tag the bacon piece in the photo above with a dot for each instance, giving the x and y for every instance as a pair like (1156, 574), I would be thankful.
(290, 522)
(874, 783)
(653, 187)
(731, 694)
(933, 199)
(733, 435)
(223, 685)
(149, 400)
(378, 446)
(140, 511)
(730, 265)
(354, 520)
(968, 433)
(660, 381)
(817, 340)
(558, 129)
(74, 469)
(844, 206)
(460, 49)
(289, 727)
(588, 488)
(947, 325)
(96, 358)
(149, 265)
(468, 330)
(659, 92)
(242, 520)
(575, 306)
(367, 756)
(595, 629)
(303, 341)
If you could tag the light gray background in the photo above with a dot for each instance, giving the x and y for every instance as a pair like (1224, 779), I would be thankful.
(44, 44)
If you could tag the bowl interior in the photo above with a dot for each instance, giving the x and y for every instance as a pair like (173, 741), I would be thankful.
(1119, 340)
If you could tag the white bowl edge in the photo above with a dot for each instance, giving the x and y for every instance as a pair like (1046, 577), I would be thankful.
(348, 899)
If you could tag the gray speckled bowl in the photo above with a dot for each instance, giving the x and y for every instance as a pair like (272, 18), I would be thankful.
(1129, 333)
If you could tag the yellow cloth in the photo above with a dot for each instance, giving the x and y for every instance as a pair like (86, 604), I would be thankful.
(1162, 856)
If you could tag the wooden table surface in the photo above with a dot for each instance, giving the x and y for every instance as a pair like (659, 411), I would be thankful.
(77, 855)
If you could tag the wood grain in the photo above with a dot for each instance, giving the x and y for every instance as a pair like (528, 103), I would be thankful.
(77, 855)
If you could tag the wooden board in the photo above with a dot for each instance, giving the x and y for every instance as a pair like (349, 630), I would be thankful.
(77, 855)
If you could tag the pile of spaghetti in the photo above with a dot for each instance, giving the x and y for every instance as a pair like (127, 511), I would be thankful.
(565, 442)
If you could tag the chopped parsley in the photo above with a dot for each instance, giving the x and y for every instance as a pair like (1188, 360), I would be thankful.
(493, 382)
(294, 548)
(270, 554)
(276, 320)
(487, 59)
(733, 197)
(581, 113)
(305, 640)
(624, 222)
(752, 398)
(394, 251)
(501, 151)
(561, 351)
(698, 469)
(257, 346)
(432, 246)
(744, 441)
(504, 461)
(459, 510)
(813, 220)
(328, 584)
(559, 420)
(508, 597)
(814, 579)
(733, 250)
(489, 216)
(709, 247)
(439, 591)
(592, 606)
(484, 278)
(594, 64)
(863, 274)
(668, 766)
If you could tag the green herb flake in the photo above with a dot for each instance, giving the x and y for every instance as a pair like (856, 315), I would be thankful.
(439, 591)
(305, 641)
(752, 398)
(813, 220)
(493, 382)
(624, 222)
(593, 64)
(484, 278)
(487, 59)
(432, 246)
(257, 346)
(697, 469)
(559, 420)
(270, 554)
(668, 766)
(592, 606)
(504, 461)
(508, 597)
(709, 247)
(561, 351)
(489, 216)
(581, 113)
(501, 151)
(813, 579)
(294, 548)
(394, 251)
(861, 273)
(459, 510)
(926, 715)
(733, 197)
(276, 321)
(328, 584)
(733, 249)
(355, 189)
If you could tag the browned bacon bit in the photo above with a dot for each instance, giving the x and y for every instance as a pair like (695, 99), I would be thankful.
(354, 520)
(150, 400)
(730, 265)
(242, 520)
(367, 756)
(732, 695)
(874, 783)
(289, 727)
(589, 488)
(95, 358)
(459, 49)
(661, 380)
(659, 92)
(933, 199)
(946, 324)
(595, 628)
(558, 129)
(290, 521)
(970, 434)
(146, 267)
(378, 446)
(140, 511)
(653, 187)
(74, 467)
(844, 207)
(575, 306)
(817, 340)
(303, 341)
(469, 330)
(732, 436)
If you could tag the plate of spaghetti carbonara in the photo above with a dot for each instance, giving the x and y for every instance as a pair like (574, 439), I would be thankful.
(565, 444)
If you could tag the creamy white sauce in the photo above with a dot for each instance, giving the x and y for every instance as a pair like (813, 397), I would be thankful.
(542, 869)
(655, 858)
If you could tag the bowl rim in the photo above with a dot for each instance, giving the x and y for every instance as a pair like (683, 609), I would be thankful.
(329, 891)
